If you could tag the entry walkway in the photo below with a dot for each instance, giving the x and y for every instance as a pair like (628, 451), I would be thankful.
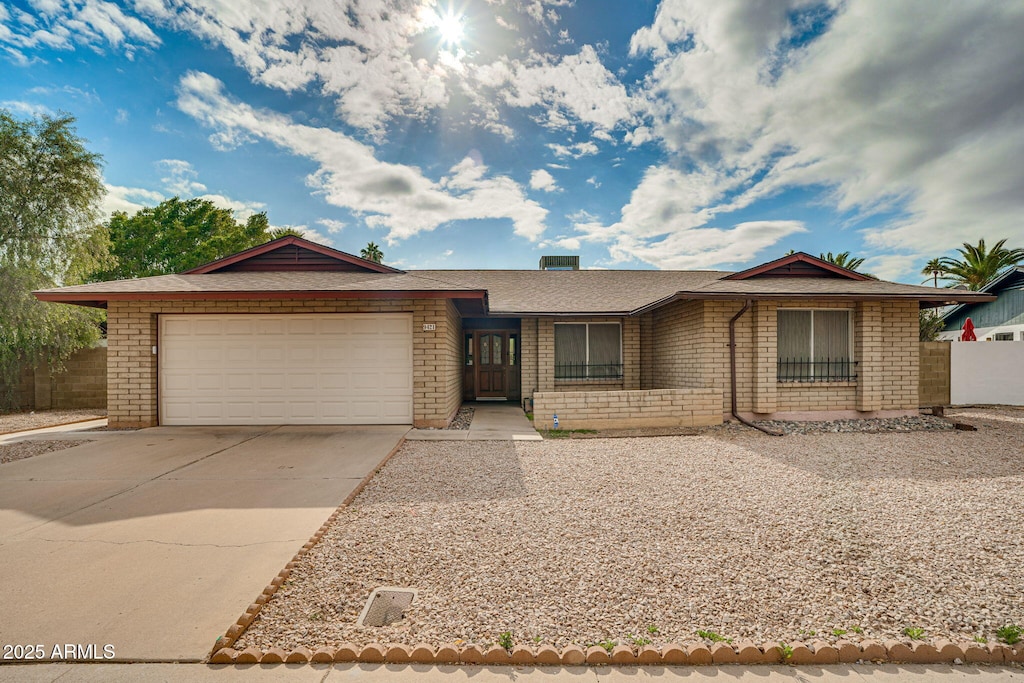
(491, 422)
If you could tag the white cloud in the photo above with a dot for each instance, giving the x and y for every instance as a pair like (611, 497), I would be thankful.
(63, 25)
(592, 180)
(181, 178)
(128, 199)
(577, 150)
(894, 106)
(574, 88)
(307, 233)
(664, 225)
(542, 180)
(333, 226)
(562, 242)
(23, 108)
(399, 198)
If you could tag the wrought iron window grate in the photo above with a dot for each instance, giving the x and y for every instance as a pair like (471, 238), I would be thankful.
(822, 370)
(591, 371)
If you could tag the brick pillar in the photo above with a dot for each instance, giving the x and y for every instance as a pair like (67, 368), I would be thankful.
(528, 357)
(131, 365)
(647, 351)
(766, 393)
(545, 354)
(630, 353)
(868, 352)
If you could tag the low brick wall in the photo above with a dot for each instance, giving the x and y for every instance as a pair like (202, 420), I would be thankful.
(83, 384)
(933, 380)
(626, 409)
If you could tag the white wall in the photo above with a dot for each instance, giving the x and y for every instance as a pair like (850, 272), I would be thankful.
(983, 333)
(986, 372)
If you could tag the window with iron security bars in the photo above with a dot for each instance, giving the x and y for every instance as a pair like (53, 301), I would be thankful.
(827, 370)
(584, 371)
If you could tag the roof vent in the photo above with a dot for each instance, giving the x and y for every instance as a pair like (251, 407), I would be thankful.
(386, 605)
(559, 262)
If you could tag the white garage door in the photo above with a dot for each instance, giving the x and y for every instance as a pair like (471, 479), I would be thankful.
(285, 369)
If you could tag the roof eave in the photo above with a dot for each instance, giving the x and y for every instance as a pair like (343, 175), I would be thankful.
(739, 296)
(99, 299)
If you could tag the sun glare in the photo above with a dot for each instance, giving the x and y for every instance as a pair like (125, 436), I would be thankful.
(449, 26)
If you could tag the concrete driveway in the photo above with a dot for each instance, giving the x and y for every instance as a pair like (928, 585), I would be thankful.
(155, 541)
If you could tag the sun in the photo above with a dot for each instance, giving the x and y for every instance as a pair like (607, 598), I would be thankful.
(449, 26)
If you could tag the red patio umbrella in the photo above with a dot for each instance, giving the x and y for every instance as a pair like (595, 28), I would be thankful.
(968, 333)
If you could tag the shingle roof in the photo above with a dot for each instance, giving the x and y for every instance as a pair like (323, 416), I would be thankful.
(524, 292)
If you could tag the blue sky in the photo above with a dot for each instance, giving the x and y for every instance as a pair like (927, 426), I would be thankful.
(485, 133)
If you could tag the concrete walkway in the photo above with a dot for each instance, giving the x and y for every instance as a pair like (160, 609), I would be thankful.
(491, 422)
(59, 430)
(372, 673)
(155, 541)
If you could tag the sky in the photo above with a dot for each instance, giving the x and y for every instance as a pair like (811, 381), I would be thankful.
(680, 134)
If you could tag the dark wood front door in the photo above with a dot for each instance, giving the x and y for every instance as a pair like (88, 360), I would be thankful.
(492, 364)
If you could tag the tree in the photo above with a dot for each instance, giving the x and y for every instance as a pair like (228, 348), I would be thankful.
(930, 324)
(843, 260)
(933, 269)
(50, 189)
(177, 235)
(278, 233)
(978, 265)
(372, 253)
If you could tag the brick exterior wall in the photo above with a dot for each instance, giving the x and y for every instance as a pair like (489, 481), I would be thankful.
(132, 366)
(678, 346)
(538, 356)
(691, 349)
(933, 381)
(625, 409)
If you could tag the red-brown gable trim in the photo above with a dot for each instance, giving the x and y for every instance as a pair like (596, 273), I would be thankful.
(800, 257)
(287, 240)
(96, 299)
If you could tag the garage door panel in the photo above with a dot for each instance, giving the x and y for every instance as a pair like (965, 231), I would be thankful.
(302, 382)
(270, 354)
(266, 381)
(334, 380)
(280, 369)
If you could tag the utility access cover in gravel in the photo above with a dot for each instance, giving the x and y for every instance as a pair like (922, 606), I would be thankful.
(822, 535)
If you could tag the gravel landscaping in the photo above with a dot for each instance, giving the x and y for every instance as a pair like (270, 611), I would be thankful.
(16, 422)
(9, 452)
(816, 535)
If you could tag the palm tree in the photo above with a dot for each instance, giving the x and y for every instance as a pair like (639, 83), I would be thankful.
(933, 269)
(372, 253)
(979, 265)
(843, 260)
(277, 233)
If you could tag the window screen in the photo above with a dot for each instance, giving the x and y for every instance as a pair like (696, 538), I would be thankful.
(814, 345)
(588, 350)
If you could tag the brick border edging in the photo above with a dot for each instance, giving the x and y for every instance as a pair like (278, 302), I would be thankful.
(689, 653)
(236, 630)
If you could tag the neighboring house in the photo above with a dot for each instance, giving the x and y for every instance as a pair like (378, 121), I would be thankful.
(295, 332)
(1001, 319)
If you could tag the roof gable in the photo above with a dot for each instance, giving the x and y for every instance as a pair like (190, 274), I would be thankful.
(291, 254)
(797, 265)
